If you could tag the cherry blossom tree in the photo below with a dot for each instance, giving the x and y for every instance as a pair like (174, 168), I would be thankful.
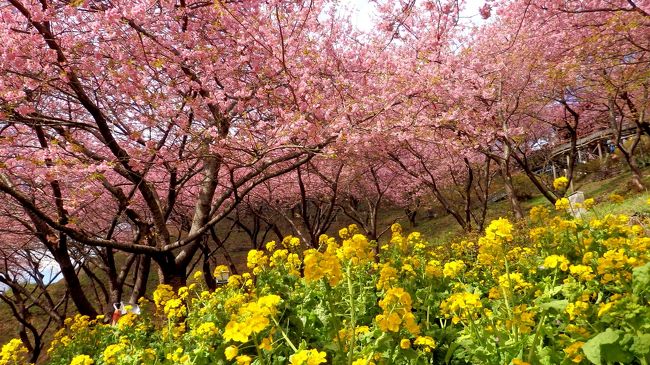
(160, 116)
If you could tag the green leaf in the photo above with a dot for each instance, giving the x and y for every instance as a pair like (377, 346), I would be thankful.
(450, 351)
(641, 346)
(558, 305)
(641, 279)
(593, 348)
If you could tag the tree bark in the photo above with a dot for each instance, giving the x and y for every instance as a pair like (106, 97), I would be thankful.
(510, 189)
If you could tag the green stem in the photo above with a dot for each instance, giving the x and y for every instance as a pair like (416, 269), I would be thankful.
(335, 318)
(284, 335)
(353, 318)
(506, 297)
(531, 352)
(259, 353)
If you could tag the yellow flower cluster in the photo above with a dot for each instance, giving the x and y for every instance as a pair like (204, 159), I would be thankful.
(610, 265)
(539, 213)
(256, 260)
(283, 259)
(615, 198)
(499, 230)
(556, 261)
(416, 241)
(178, 356)
(513, 281)
(82, 360)
(573, 352)
(576, 309)
(291, 242)
(453, 269)
(396, 306)
(562, 204)
(460, 306)
(162, 294)
(387, 277)
(582, 272)
(561, 183)
(322, 265)
(113, 352)
(523, 319)
(206, 330)
(357, 249)
(579, 264)
(252, 318)
(463, 247)
(175, 309)
(308, 357)
(13, 353)
(425, 342)
(491, 251)
(433, 268)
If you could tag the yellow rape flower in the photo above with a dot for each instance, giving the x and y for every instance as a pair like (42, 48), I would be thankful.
(515, 280)
(572, 352)
(206, 330)
(290, 242)
(426, 342)
(174, 308)
(82, 360)
(357, 249)
(615, 198)
(322, 265)
(583, 272)
(13, 352)
(453, 269)
(251, 318)
(221, 272)
(308, 357)
(396, 306)
(499, 229)
(560, 183)
(405, 343)
(266, 344)
(519, 362)
(562, 204)
(162, 294)
(556, 261)
(433, 269)
(197, 275)
(459, 305)
(576, 309)
(256, 259)
(387, 276)
(112, 353)
(231, 352)
(539, 213)
(243, 360)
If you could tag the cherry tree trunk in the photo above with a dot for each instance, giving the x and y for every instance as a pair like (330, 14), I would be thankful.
(510, 190)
